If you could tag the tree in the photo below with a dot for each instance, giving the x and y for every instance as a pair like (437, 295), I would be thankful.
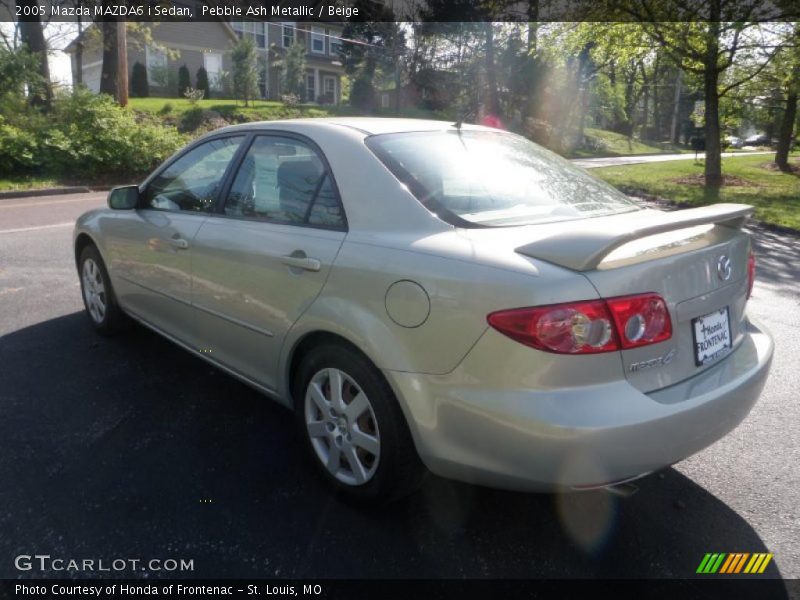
(293, 71)
(108, 72)
(184, 80)
(139, 86)
(245, 70)
(792, 85)
(202, 82)
(707, 38)
(32, 36)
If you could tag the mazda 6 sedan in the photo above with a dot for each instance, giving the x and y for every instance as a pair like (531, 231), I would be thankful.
(435, 296)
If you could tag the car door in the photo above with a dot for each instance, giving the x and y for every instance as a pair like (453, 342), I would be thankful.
(150, 250)
(263, 259)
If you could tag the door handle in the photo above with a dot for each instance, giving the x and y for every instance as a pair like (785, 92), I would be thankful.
(179, 243)
(298, 260)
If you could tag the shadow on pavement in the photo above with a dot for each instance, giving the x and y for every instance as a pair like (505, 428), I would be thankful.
(777, 258)
(131, 447)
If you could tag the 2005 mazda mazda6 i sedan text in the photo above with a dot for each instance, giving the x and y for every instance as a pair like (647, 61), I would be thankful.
(427, 294)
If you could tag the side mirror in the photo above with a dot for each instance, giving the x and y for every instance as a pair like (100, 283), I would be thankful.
(125, 197)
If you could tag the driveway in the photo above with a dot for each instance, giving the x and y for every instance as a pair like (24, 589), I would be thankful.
(131, 447)
(614, 161)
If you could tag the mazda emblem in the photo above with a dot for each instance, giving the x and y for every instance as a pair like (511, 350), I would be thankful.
(724, 269)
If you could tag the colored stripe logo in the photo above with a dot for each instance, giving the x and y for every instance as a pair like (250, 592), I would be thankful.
(733, 563)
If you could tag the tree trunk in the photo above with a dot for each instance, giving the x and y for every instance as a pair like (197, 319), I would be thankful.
(676, 109)
(108, 75)
(32, 36)
(713, 169)
(78, 73)
(787, 124)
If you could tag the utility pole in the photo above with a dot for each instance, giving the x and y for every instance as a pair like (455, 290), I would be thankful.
(122, 63)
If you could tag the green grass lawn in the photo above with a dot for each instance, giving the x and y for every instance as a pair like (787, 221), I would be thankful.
(611, 143)
(263, 110)
(775, 195)
(258, 110)
(26, 182)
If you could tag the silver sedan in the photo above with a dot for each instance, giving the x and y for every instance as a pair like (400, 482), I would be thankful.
(436, 296)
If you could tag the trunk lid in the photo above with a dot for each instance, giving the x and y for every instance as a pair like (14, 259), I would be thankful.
(696, 259)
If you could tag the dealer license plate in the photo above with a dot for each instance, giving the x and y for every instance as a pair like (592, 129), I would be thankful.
(712, 336)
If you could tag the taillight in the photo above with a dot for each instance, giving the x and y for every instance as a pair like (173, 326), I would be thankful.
(642, 319)
(751, 272)
(589, 326)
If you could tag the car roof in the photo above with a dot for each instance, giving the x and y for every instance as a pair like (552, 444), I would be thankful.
(366, 125)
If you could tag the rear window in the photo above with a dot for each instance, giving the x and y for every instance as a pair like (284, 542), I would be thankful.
(481, 178)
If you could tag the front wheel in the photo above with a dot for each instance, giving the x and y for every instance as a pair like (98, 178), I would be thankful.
(98, 295)
(355, 430)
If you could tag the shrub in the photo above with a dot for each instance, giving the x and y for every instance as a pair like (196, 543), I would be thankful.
(184, 80)
(95, 136)
(202, 82)
(290, 100)
(19, 149)
(139, 86)
(244, 57)
(166, 109)
(193, 96)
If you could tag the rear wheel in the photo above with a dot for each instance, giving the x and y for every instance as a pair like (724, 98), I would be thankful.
(98, 295)
(353, 427)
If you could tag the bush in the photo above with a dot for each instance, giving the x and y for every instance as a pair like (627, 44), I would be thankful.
(362, 94)
(19, 150)
(184, 80)
(290, 100)
(139, 86)
(94, 136)
(202, 82)
(166, 109)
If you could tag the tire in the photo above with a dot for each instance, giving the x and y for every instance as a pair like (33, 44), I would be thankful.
(98, 296)
(368, 426)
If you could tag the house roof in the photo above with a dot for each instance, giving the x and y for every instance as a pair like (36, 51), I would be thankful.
(70, 48)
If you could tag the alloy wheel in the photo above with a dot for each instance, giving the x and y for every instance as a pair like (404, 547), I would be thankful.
(342, 427)
(94, 291)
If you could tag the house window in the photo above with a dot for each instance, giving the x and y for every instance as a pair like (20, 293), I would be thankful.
(212, 61)
(156, 66)
(255, 30)
(384, 100)
(311, 87)
(334, 45)
(288, 34)
(318, 40)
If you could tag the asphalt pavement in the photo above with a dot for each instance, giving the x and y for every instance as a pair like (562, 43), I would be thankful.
(131, 448)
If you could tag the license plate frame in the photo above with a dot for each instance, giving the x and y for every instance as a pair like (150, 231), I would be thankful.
(717, 322)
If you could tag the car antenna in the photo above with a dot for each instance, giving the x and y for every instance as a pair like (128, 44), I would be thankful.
(461, 118)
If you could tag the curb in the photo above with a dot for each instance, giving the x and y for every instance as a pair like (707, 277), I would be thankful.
(44, 192)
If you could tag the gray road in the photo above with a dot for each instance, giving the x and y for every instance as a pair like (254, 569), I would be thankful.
(615, 161)
(132, 448)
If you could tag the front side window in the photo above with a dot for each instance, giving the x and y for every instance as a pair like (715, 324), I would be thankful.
(284, 180)
(478, 178)
(192, 182)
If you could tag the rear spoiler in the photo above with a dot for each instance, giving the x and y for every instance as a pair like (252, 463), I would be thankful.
(584, 247)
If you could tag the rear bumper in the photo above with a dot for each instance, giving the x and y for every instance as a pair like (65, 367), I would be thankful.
(573, 437)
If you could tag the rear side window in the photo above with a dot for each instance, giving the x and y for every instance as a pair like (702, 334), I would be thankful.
(284, 180)
(478, 178)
